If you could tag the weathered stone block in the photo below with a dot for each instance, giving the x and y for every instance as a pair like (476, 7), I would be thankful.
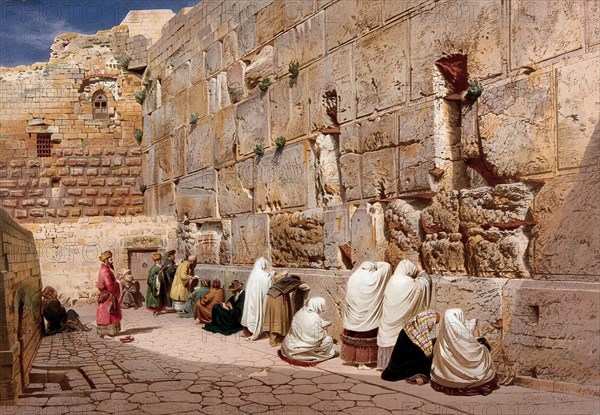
(260, 68)
(381, 69)
(288, 106)
(503, 128)
(177, 152)
(281, 178)
(270, 21)
(402, 224)
(350, 138)
(225, 136)
(471, 28)
(236, 188)
(348, 19)
(544, 330)
(252, 123)
(577, 113)
(378, 133)
(177, 82)
(303, 43)
(351, 177)
(247, 36)
(368, 233)
(196, 196)
(336, 232)
(297, 239)
(230, 49)
(250, 238)
(543, 30)
(331, 75)
(378, 176)
(199, 99)
(199, 144)
(496, 253)
(236, 85)
(592, 25)
(442, 215)
(566, 239)
(505, 204)
(444, 254)
(213, 59)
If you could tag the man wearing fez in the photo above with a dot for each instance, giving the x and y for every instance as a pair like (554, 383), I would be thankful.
(171, 268)
(156, 296)
(108, 312)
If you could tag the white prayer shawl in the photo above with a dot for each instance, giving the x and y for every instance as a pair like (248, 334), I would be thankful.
(307, 339)
(364, 296)
(405, 296)
(459, 361)
(255, 302)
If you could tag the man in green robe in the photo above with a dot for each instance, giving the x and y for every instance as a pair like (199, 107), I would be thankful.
(170, 268)
(156, 294)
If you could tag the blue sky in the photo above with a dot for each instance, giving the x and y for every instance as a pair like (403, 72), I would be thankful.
(28, 27)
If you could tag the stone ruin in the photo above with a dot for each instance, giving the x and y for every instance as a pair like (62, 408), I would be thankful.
(212, 145)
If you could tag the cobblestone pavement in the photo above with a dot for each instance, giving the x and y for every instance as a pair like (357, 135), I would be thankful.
(175, 367)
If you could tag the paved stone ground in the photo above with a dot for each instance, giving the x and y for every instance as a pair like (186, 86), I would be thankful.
(191, 371)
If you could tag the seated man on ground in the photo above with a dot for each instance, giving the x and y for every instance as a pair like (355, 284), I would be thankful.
(130, 291)
(204, 307)
(57, 318)
(197, 293)
(227, 317)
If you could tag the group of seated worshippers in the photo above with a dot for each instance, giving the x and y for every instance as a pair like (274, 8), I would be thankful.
(387, 322)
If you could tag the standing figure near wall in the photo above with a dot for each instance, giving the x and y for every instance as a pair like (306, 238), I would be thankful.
(462, 363)
(408, 292)
(156, 296)
(204, 307)
(195, 296)
(171, 268)
(130, 291)
(364, 302)
(279, 310)
(108, 312)
(182, 282)
(255, 304)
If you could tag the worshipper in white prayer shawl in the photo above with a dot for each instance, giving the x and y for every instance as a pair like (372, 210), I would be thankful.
(364, 301)
(462, 363)
(255, 303)
(408, 292)
(307, 343)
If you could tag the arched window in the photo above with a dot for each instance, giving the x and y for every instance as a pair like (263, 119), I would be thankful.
(100, 106)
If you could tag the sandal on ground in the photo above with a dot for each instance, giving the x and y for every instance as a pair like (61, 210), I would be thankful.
(126, 339)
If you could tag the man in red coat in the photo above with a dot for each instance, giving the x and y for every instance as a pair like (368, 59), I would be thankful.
(108, 313)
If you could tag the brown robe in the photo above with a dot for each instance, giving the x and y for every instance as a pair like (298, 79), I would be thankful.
(203, 310)
(279, 311)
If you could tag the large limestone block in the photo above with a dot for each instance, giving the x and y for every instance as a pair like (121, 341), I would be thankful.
(566, 239)
(331, 75)
(515, 127)
(592, 23)
(164, 160)
(543, 30)
(162, 121)
(379, 174)
(199, 98)
(479, 298)
(551, 330)
(166, 199)
(379, 132)
(444, 254)
(368, 233)
(416, 148)
(225, 136)
(472, 28)
(380, 64)
(350, 138)
(236, 188)
(178, 152)
(180, 110)
(506, 204)
(250, 238)
(442, 214)
(347, 19)
(213, 59)
(246, 35)
(199, 146)
(177, 81)
(208, 240)
(288, 104)
(197, 73)
(196, 196)
(328, 183)
(497, 253)
(578, 114)
(403, 234)
(281, 178)
(252, 123)
(297, 239)
(304, 43)
(270, 21)
(350, 172)
(336, 232)
(297, 10)
(235, 81)
(261, 67)
(230, 48)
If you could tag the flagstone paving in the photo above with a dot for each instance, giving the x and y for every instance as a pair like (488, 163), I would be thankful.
(175, 367)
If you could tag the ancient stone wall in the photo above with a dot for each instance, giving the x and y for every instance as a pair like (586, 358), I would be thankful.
(20, 307)
(371, 152)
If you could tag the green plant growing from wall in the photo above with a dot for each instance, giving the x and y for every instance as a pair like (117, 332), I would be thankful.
(294, 69)
(280, 142)
(475, 90)
(124, 60)
(259, 150)
(194, 118)
(143, 188)
(138, 134)
(140, 96)
(265, 84)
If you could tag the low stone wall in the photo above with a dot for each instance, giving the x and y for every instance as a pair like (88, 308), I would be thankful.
(20, 307)
(539, 319)
(69, 251)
